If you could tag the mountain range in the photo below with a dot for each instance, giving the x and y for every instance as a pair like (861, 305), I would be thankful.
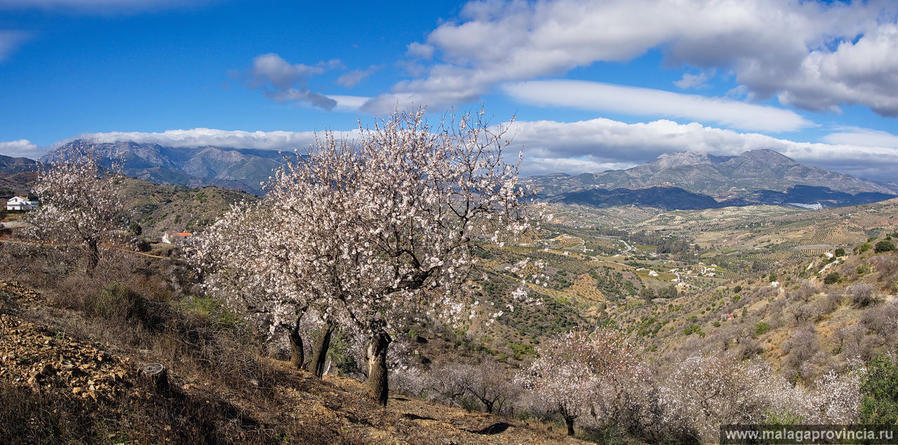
(676, 198)
(687, 180)
(721, 177)
(234, 168)
(691, 180)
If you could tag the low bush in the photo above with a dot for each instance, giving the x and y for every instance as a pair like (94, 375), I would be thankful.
(861, 294)
(879, 404)
(762, 328)
(884, 246)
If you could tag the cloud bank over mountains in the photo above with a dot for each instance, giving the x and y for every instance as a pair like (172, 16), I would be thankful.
(600, 144)
(572, 147)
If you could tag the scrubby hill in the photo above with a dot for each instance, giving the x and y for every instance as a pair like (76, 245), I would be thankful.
(70, 356)
(159, 208)
(17, 175)
(755, 282)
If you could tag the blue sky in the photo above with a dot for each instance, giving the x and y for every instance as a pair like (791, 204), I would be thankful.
(593, 84)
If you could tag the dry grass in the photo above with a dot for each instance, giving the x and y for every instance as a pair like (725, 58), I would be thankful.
(224, 388)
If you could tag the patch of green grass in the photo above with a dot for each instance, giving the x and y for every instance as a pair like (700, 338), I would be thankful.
(212, 309)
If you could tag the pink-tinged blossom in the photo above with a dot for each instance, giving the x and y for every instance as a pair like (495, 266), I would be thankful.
(80, 204)
(375, 229)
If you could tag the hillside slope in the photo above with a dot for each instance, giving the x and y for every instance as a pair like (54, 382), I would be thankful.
(17, 175)
(65, 378)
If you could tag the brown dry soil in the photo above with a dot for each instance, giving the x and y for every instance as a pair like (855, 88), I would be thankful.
(101, 392)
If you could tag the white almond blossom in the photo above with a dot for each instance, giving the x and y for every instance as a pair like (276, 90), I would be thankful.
(370, 232)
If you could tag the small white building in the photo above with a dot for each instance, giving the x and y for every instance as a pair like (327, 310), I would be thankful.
(175, 237)
(20, 203)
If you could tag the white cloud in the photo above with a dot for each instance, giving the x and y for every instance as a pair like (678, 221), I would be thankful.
(773, 47)
(10, 40)
(422, 51)
(863, 72)
(202, 137)
(353, 77)
(606, 141)
(650, 102)
(693, 80)
(20, 148)
(199, 137)
(863, 136)
(285, 82)
(349, 103)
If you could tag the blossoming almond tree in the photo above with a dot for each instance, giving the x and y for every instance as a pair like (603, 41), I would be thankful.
(80, 204)
(575, 372)
(379, 230)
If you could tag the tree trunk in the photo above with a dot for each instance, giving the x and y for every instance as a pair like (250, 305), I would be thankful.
(376, 355)
(320, 355)
(156, 376)
(93, 256)
(569, 421)
(297, 354)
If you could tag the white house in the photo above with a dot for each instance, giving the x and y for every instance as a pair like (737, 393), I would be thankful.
(20, 203)
(175, 237)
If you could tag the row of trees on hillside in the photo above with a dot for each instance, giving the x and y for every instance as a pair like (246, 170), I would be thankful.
(602, 381)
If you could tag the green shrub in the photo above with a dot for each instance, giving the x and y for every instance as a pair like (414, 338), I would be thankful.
(521, 351)
(341, 355)
(832, 278)
(211, 309)
(762, 328)
(864, 247)
(116, 301)
(783, 418)
(884, 246)
(840, 252)
(879, 390)
(694, 329)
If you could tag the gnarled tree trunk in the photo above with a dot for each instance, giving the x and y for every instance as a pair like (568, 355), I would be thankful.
(297, 353)
(376, 356)
(321, 346)
(568, 420)
(93, 256)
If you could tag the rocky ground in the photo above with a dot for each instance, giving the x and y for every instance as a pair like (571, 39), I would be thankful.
(41, 361)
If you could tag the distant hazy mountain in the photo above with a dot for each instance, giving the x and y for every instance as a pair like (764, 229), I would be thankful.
(17, 175)
(675, 198)
(667, 198)
(237, 168)
(721, 177)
